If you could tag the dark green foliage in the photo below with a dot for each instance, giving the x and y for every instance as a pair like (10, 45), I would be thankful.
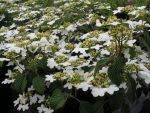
(131, 92)
(39, 84)
(57, 100)
(20, 83)
(116, 69)
(145, 41)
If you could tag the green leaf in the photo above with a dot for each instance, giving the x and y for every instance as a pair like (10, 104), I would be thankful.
(101, 63)
(131, 84)
(86, 107)
(20, 83)
(39, 84)
(116, 69)
(1, 64)
(57, 100)
(145, 41)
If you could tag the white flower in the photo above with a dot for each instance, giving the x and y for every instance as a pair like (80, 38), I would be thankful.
(130, 42)
(8, 81)
(98, 23)
(105, 52)
(23, 107)
(41, 98)
(68, 85)
(84, 86)
(145, 75)
(51, 63)
(126, 53)
(33, 99)
(81, 50)
(119, 9)
(101, 91)
(104, 70)
(123, 85)
(71, 27)
(32, 35)
(43, 109)
(104, 37)
(97, 47)
(49, 78)
(142, 7)
(4, 59)
(98, 92)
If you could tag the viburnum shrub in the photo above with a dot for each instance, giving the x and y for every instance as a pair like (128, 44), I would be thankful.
(81, 50)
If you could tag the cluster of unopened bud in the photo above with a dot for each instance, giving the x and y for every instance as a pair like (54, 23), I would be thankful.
(112, 19)
(78, 62)
(32, 63)
(54, 48)
(69, 46)
(60, 76)
(11, 55)
(61, 59)
(76, 78)
(121, 33)
(129, 8)
(101, 80)
(88, 43)
(147, 65)
(131, 68)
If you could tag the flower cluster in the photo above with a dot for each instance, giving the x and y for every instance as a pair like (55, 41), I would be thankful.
(76, 43)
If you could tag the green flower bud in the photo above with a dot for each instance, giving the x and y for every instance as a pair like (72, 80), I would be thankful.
(131, 68)
(101, 80)
(78, 62)
(76, 79)
(61, 59)
(60, 76)
(88, 43)
(69, 46)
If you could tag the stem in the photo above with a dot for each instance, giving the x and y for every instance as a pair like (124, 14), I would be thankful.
(75, 98)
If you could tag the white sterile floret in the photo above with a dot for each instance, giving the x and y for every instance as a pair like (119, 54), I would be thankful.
(126, 53)
(105, 52)
(104, 70)
(33, 99)
(4, 59)
(49, 78)
(104, 37)
(22, 103)
(43, 109)
(80, 50)
(51, 63)
(32, 36)
(68, 85)
(44, 41)
(130, 42)
(23, 107)
(8, 81)
(123, 85)
(141, 8)
(84, 86)
(119, 9)
(96, 47)
(101, 91)
(98, 23)
(71, 27)
(145, 75)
